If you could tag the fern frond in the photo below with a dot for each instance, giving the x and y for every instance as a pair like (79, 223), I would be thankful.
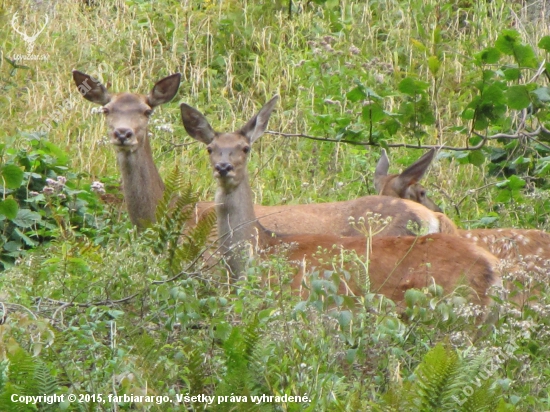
(171, 235)
(27, 376)
(196, 239)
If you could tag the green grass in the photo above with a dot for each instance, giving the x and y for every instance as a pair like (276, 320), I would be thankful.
(234, 55)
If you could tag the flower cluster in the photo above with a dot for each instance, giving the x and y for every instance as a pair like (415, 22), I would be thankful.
(55, 187)
(98, 188)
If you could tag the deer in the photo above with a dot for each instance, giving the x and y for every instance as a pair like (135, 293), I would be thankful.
(512, 245)
(397, 263)
(127, 116)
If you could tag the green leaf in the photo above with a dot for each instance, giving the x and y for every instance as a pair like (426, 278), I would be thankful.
(373, 113)
(512, 74)
(515, 182)
(433, 64)
(13, 176)
(355, 95)
(525, 56)
(411, 86)
(507, 41)
(543, 94)
(9, 208)
(28, 241)
(476, 158)
(504, 196)
(518, 97)
(544, 43)
(488, 56)
(26, 218)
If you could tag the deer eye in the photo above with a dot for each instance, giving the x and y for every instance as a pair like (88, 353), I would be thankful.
(209, 149)
(105, 111)
(422, 193)
(148, 112)
(246, 149)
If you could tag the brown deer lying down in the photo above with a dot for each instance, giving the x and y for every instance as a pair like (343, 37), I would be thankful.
(504, 243)
(127, 116)
(525, 252)
(396, 264)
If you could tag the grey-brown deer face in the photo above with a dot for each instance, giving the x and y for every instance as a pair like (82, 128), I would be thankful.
(127, 114)
(228, 151)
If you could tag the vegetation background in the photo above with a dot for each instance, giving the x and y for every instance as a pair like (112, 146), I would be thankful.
(90, 306)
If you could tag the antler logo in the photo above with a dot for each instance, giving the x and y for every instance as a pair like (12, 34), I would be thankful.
(28, 39)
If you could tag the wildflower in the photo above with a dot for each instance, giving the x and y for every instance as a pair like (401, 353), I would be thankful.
(166, 128)
(98, 188)
(48, 190)
(354, 50)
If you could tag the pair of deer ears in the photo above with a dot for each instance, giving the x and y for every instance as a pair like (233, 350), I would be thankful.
(163, 91)
(91, 89)
(198, 127)
(411, 175)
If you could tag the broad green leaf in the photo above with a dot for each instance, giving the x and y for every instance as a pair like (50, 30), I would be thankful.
(544, 43)
(476, 157)
(507, 41)
(60, 154)
(525, 56)
(28, 241)
(515, 182)
(512, 74)
(356, 94)
(504, 196)
(488, 56)
(9, 208)
(543, 94)
(372, 113)
(26, 218)
(13, 176)
(518, 97)
(411, 86)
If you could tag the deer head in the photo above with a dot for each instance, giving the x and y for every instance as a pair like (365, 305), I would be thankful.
(127, 116)
(228, 151)
(405, 185)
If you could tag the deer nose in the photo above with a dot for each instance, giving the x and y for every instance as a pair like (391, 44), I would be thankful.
(223, 168)
(123, 134)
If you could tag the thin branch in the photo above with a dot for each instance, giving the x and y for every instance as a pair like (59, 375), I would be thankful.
(87, 305)
(520, 133)
(360, 143)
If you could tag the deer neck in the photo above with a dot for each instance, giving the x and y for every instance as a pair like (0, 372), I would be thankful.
(143, 186)
(237, 225)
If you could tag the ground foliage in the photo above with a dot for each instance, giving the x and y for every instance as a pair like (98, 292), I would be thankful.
(91, 306)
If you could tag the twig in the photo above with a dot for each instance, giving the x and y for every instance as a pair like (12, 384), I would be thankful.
(361, 143)
(87, 305)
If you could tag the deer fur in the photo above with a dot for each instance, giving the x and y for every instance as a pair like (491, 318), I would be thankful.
(397, 263)
(127, 116)
(509, 244)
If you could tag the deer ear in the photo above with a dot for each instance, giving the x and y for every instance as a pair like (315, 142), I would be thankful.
(164, 90)
(91, 89)
(257, 125)
(196, 124)
(381, 170)
(414, 173)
